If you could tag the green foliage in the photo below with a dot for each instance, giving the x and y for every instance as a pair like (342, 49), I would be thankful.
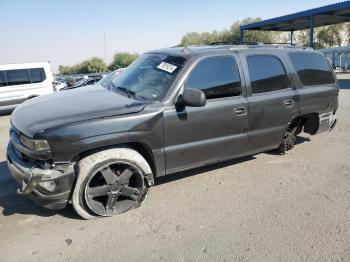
(228, 36)
(96, 65)
(93, 65)
(206, 38)
(121, 60)
(329, 36)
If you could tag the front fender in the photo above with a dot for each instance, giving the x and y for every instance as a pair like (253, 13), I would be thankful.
(69, 141)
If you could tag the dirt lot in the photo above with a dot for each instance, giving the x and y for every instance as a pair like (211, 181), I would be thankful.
(261, 208)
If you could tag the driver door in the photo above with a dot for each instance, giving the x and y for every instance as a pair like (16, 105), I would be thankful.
(196, 136)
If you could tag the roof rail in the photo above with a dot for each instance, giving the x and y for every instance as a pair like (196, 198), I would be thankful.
(249, 43)
(224, 43)
(234, 43)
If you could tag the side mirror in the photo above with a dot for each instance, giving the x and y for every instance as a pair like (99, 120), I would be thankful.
(193, 97)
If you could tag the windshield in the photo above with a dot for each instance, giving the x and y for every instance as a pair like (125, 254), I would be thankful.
(149, 77)
(108, 78)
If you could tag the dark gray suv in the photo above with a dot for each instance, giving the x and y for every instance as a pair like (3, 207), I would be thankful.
(100, 147)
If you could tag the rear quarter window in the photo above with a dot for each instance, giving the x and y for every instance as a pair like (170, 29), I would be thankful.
(312, 68)
(37, 75)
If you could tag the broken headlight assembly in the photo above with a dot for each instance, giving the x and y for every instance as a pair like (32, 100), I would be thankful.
(35, 144)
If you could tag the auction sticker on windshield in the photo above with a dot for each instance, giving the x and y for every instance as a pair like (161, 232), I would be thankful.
(167, 67)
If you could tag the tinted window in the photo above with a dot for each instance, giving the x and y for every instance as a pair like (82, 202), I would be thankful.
(312, 68)
(37, 75)
(266, 74)
(2, 79)
(17, 77)
(216, 77)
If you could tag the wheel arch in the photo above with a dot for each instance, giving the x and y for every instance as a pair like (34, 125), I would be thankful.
(142, 148)
(309, 123)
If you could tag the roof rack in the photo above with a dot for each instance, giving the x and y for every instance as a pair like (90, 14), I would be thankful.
(250, 43)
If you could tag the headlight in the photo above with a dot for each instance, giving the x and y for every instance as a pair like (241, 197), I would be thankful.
(35, 144)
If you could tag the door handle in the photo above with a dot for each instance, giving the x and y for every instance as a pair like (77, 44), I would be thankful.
(239, 110)
(288, 102)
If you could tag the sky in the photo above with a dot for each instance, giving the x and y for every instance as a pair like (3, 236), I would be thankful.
(67, 32)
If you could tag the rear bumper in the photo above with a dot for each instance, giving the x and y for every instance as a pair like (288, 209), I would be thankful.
(47, 187)
(327, 122)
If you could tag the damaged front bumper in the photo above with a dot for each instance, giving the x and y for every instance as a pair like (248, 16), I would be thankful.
(47, 186)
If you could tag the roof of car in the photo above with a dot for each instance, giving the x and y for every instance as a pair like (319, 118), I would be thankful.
(189, 51)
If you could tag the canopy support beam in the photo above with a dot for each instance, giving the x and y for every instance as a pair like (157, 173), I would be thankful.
(312, 25)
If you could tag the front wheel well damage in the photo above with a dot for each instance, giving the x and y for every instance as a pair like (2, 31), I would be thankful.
(141, 148)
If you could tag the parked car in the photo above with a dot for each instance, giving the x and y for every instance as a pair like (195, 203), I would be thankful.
(171, 110)
(19, 82)
(58, 85)
(84, 82)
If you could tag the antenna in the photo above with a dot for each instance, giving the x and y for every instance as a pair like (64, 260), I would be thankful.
(105, 42)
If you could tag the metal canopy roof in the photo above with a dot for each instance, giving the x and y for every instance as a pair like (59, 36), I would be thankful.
(325, 15)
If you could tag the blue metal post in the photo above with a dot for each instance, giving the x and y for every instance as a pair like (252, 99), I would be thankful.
(291, 37)
(241, 37)
(312, 24)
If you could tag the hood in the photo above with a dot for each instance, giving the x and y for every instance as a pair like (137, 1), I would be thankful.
(40, 113)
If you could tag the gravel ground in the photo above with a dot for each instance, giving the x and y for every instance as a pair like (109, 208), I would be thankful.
(265, 207)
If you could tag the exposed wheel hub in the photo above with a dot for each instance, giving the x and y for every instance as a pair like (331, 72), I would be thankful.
(288, 141)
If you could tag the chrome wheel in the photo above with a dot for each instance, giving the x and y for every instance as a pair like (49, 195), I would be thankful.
(114, 188)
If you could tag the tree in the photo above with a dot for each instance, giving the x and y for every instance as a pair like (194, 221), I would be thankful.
(206, 38)
(93, 65)
(329, 36)
(64, 70)
(228, 36)
(121, 60)
(253, 35)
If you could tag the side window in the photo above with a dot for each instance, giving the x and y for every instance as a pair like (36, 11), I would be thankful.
(2, 79)
(312, 68)
(37, 75)
(17, 77)
(266, 74)
(216, 76)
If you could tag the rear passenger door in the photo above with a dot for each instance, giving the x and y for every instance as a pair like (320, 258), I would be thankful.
(199, 135)
(273, 101)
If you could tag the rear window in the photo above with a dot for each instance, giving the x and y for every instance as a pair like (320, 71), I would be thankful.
(37, 75)
(18, 77)
(312, 68)
(2, 79)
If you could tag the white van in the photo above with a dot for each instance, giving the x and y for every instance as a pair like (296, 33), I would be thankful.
(19, 82)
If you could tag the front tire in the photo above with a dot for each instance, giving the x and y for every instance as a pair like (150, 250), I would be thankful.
(110, 182)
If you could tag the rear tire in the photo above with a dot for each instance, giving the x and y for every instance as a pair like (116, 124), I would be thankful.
(110, 182)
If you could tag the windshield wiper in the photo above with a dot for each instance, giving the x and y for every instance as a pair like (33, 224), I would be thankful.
(128, 92)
